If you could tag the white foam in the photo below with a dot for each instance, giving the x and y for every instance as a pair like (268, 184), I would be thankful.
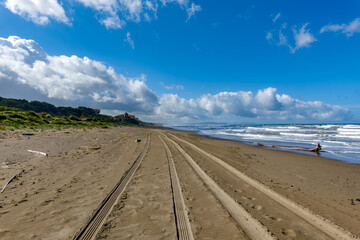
(327, 126)
(351, 126)
(347, 136)
(308, 135)
(349, 131)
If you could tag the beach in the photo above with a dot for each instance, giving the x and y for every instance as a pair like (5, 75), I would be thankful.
(220, 183)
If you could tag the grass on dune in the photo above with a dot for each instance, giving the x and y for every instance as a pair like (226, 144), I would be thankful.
(13, 118)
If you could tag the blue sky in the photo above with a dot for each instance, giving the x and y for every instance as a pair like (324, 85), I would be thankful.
(250, 61)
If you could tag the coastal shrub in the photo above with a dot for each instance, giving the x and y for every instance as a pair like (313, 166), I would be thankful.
(74, 118)
(58, 121)
(32, 113)
(83, 118)
(17, 115)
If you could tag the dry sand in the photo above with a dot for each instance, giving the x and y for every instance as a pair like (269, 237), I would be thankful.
(57, 194)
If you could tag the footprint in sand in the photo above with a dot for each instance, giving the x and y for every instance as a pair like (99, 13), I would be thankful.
(257, 207)
(289, 232)
(272, 218)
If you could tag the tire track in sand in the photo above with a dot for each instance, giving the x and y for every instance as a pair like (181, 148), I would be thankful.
(182, 221)
(321, 223)
(90, 230)
(252, 228)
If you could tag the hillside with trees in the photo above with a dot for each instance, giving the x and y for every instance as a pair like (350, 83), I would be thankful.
(16, 113)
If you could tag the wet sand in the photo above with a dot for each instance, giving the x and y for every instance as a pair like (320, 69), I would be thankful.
(56, 195)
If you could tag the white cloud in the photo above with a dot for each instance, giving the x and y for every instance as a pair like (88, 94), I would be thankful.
(281, 38)
(72, 78)
(276, 17)
(265, 104)
(129, 40)
(84, 81)
(38, 11)
(302, 37)
(172, 87)
(112, 22)
(115, 13)
(269, 36)
(192, 10)
(347, 29)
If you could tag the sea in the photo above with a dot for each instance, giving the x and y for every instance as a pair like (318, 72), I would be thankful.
(338, 141)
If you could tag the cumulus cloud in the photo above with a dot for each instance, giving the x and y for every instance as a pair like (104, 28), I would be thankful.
(302, 37)
(83, 80)
(347, 29)
(113, 14)
(265, 104)
(72, 78)
(38, 11)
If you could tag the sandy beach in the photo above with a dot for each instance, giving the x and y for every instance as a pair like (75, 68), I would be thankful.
(217, 184)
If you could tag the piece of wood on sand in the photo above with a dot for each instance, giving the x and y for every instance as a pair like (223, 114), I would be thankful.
(316, 149)
(3, 189)
(42, 153)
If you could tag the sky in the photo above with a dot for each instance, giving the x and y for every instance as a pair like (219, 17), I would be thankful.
(186, 61)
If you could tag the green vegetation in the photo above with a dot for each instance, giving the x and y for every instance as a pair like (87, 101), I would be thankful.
(39, 107)
(38, 115)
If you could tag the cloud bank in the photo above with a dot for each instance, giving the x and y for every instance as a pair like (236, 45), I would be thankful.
(82, 80)
(113, 14)
(72, 78)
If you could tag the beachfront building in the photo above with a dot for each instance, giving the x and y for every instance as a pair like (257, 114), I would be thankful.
(97, 111)
(124, 117)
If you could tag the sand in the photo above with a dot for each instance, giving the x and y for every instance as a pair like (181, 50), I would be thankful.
(57, 194)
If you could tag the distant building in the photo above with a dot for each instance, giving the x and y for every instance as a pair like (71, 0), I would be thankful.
(97, 111)
(123, 117)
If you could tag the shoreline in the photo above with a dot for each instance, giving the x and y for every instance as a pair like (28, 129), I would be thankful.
(324, 185)
(329, 154)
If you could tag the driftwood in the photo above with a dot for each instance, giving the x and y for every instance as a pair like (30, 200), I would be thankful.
(3, 189)
(316, 149)
(42, 153)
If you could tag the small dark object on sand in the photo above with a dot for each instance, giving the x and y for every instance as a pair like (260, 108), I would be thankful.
(28, 134)
(138, 140)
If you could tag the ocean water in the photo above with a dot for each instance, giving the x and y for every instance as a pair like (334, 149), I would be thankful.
(340, 142)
